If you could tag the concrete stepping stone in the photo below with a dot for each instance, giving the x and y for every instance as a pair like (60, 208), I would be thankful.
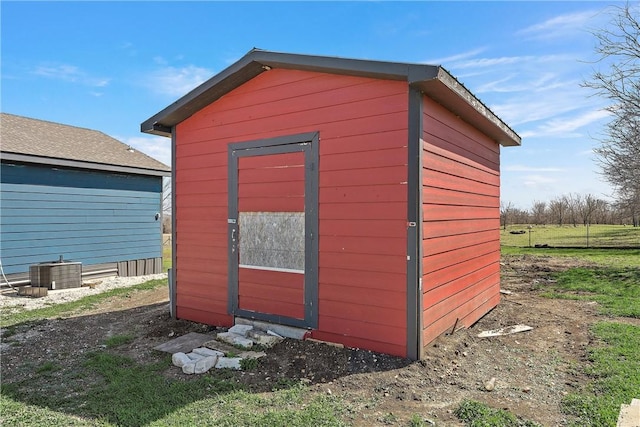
(184, 344)
(235, 339)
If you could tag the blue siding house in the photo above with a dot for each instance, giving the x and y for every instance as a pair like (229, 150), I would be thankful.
(80, 194)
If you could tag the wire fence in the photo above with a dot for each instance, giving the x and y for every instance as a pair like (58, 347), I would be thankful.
(569, 236)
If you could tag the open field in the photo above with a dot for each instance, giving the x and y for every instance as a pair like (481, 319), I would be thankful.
(92, 363)
(593, 236)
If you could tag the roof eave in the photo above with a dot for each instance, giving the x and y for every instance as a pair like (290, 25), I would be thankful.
(51, 161)
(469, 108)
(259, 61)
(434, 81)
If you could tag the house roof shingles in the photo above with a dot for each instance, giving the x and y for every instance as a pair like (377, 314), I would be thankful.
(39, 141)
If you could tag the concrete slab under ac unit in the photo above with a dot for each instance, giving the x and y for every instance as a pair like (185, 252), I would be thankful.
(185, 343)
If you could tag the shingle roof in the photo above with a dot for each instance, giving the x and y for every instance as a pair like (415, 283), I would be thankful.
(432, 80)
(39, 141)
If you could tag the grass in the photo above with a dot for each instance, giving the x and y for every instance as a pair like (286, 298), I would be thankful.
(615, 373)
(608, 257)
(107, 389)
(614, 369)
(617, 290)
(477, 414)
(118, 340)
(9, 317)
(121, 392)
(568, 235)
(166, 257)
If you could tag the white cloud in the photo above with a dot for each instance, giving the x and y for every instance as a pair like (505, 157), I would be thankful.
(567, 126)
(455, 57)
(537, 181)
(509, 60)
(157, 147)
(521, 110)
(525, 168)
(177, 81)
(160, 60)
(560, 26)
(513, 82)
(70, 73)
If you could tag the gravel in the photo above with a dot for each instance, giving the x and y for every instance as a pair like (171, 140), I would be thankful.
(10, 300)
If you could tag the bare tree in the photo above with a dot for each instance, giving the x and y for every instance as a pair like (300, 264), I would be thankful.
(506, 209)
(558, 208)
(574, 206)
(539, 213)
(618, 47)
(588, 206)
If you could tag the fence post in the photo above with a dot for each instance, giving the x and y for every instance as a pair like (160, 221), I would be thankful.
(587, 234)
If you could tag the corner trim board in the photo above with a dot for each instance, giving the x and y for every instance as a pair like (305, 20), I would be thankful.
(414, 224)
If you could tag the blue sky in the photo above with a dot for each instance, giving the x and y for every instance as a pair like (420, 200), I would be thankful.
(110, 65)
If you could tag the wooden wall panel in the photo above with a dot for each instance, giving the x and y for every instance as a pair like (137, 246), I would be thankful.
(363, 173)
(272, 292)
(461, 214)
(93, 217)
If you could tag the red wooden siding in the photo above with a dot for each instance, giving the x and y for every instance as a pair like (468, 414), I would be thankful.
(461, 221)
(272, 292)
(363, 136)
(273, 183)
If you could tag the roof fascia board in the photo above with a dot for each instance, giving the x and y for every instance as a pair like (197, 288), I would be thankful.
(206, 93)
(345, 66)
(430, 79)
(25, 158)
(258, 61)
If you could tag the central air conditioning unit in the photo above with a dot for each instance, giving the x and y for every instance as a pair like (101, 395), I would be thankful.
(56, 274)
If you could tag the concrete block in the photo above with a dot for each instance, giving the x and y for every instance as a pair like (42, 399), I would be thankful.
(240, 329)
(263, 338)
(203, 351)
(219, 346)
(252, 354)
(235, 339)
(282, 330)
(194, 356)
(629, 414)
(229, 363)
(33, 291)
(204, 364)
(189, 368)
(180, 359)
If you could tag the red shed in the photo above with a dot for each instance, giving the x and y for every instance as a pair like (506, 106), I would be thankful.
(356, 199)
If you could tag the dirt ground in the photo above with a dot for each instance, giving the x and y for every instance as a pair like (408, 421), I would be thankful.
(532, 370)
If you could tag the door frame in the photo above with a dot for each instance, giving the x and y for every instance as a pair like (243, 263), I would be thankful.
(308, 144)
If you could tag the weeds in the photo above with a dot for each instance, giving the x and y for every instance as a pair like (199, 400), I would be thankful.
(477, 414)
(616, 289)
(615, 370)
(118, 340)
(8, 318)
(48, 367)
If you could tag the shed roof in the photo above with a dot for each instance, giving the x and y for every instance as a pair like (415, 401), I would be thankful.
(432, 80)
(38, 141)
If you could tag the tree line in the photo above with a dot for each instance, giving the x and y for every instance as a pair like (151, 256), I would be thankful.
(617, 80)
(571, 209)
